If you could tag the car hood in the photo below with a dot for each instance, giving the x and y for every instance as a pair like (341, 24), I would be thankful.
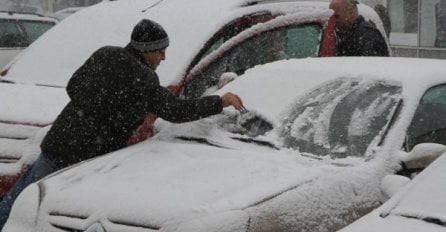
(29, 108)
(155, 182)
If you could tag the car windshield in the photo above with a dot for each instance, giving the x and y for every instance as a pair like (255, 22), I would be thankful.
(341, 118)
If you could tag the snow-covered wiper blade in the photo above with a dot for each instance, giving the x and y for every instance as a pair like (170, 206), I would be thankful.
(435, 221)
(426, 219)
(256, 141)
(199, 140)
(6, 81)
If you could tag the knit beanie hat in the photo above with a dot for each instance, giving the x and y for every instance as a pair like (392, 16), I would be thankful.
(149, 36)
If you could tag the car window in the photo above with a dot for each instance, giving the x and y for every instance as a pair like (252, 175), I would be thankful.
(341, 118)
(230, 30)
(283, 43)
(35, 29)
(10, 35)
(429, 121)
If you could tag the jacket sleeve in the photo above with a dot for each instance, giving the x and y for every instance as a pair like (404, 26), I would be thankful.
(173, 109)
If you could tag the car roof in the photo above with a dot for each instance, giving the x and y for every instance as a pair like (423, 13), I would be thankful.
(25, 16)
(66, 46)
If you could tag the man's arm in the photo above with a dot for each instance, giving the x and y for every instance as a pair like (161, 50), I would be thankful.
(171, 108)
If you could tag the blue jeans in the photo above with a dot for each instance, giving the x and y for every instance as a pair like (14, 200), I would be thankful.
(39, 169)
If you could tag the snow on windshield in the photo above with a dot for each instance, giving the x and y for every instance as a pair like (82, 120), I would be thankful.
(341, 118)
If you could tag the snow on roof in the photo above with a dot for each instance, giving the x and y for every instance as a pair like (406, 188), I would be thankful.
(71, 42)
(65, 47)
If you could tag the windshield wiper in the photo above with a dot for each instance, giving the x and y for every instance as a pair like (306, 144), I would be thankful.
(198, 140)
(435, 221)
(426, 219)
(6, 81)
(259, 142)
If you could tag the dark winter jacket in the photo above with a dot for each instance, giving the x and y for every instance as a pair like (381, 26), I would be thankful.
(110, 95)
(362, 39)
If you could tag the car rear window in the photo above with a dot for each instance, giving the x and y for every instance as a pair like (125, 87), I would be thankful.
(10, 35)
(36, 29)
(21, 33)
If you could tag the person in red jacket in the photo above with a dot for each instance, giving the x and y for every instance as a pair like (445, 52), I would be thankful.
(110, 94)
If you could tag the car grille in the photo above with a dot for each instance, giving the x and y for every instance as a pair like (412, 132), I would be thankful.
(75, 223)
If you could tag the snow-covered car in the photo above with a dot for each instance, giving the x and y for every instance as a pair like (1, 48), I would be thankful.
(309, 155)
(62, 14)
(230, 36)
(18, 31)
(417, 206)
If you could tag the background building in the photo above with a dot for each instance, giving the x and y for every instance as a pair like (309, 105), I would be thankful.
(43, 6)
(418, 27)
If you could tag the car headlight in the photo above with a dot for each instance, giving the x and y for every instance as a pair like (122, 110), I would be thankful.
(230, 221)
(24, 211)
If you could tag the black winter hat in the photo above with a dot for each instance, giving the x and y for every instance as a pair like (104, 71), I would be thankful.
(149, 36)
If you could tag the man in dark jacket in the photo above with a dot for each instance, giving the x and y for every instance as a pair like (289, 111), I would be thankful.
(354, 35)
(110, 94)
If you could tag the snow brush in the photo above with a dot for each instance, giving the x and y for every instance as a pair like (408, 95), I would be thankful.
(254, 123)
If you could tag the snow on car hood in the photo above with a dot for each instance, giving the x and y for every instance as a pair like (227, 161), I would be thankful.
(156, 181)
(39, 106)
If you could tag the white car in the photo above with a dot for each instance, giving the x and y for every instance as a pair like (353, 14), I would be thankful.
(417, 206)
(18, 31)
(309, 155)
(62, 14)
(228, 36)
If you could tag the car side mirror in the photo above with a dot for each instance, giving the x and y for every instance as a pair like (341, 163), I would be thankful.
(423, 154)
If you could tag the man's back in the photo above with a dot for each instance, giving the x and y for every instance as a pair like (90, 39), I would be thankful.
(362, 39)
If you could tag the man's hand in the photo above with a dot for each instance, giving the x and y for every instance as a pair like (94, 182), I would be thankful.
(230, 99)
